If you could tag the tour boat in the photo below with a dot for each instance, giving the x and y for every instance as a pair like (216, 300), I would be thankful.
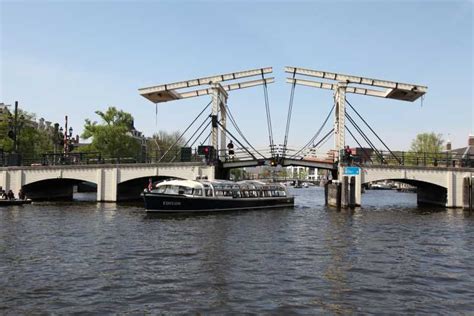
(216, 195)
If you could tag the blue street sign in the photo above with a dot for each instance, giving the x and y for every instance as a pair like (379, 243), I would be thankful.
(351, 171)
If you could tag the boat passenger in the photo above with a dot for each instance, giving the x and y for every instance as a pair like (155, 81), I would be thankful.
(10, 195)
(3, 195)
(21, 195)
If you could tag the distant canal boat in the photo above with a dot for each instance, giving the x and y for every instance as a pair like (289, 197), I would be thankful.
(214, 196)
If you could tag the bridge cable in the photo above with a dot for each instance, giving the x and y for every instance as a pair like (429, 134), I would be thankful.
(366, 138)
(192, 136)
(399, 161)
(200, 134)
(236, 126)
(197, 130)
(233, 137)
(181, 136)
(192, 144)
(315, 135)
(363, 149)
(325, 138)
(290, 109)
(361, 132)
(205, 139)
(269, 118)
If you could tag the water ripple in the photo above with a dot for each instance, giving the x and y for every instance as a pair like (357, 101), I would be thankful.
(387, 257)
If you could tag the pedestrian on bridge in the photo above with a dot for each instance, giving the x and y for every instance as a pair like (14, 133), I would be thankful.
(347, 155)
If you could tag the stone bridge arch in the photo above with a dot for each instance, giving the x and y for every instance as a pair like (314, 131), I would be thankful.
(427, 192)
(107, 177)
(434, 177)
(435, 185)
(52, 189)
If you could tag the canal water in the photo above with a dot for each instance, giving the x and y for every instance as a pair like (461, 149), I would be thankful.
(387, 257)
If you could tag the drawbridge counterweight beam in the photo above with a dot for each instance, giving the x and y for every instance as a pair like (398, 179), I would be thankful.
(167, 92)
(394, 90)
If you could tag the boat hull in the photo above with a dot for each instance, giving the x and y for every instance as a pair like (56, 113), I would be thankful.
(161, 203)
(14, 202)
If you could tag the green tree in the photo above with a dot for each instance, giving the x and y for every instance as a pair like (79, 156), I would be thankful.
(302, 174)
(6, 143)
(31, 141)
(425, 149)
(427, 143)
(112, 137)
(161, 142)
(238, 174)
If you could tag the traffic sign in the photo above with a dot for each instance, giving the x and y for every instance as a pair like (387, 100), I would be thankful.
(351, 171)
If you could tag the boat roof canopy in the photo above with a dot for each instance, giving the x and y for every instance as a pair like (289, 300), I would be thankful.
(186, 183)
(246, 184)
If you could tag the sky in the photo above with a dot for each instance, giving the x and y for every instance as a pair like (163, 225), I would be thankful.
(76, 57)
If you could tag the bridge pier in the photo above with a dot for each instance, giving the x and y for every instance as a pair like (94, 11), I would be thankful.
(468, 193)
(347, 191)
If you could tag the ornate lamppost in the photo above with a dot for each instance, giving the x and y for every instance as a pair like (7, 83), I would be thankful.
(62, 137)
(67, 137)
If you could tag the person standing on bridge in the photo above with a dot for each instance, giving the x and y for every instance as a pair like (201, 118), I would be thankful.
(230, 147)
(347, 155)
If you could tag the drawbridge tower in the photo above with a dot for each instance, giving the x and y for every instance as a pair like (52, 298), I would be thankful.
(214, 86)
(342, 84)
(349, 193)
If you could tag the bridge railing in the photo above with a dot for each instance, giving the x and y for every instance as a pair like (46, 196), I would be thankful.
(85, 158)
(424, 159)
(245, 154)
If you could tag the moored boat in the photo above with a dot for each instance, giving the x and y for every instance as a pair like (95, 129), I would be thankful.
(14, 202)
(212, 196)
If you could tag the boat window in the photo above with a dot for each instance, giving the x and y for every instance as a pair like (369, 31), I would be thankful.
(236, 193)
(171, 189)
(245, 193)
(219, 192)
(161, 189)
(185, 190)
(208, 192)
(282, 193)
(197, 192)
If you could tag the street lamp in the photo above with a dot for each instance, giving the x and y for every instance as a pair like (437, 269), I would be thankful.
(62, 137)
(15, 124)
(67, 142)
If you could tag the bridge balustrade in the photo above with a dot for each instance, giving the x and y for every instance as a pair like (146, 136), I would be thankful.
(420, 159)
(85, 158)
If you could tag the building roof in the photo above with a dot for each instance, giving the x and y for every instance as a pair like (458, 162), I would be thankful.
(463, 151)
